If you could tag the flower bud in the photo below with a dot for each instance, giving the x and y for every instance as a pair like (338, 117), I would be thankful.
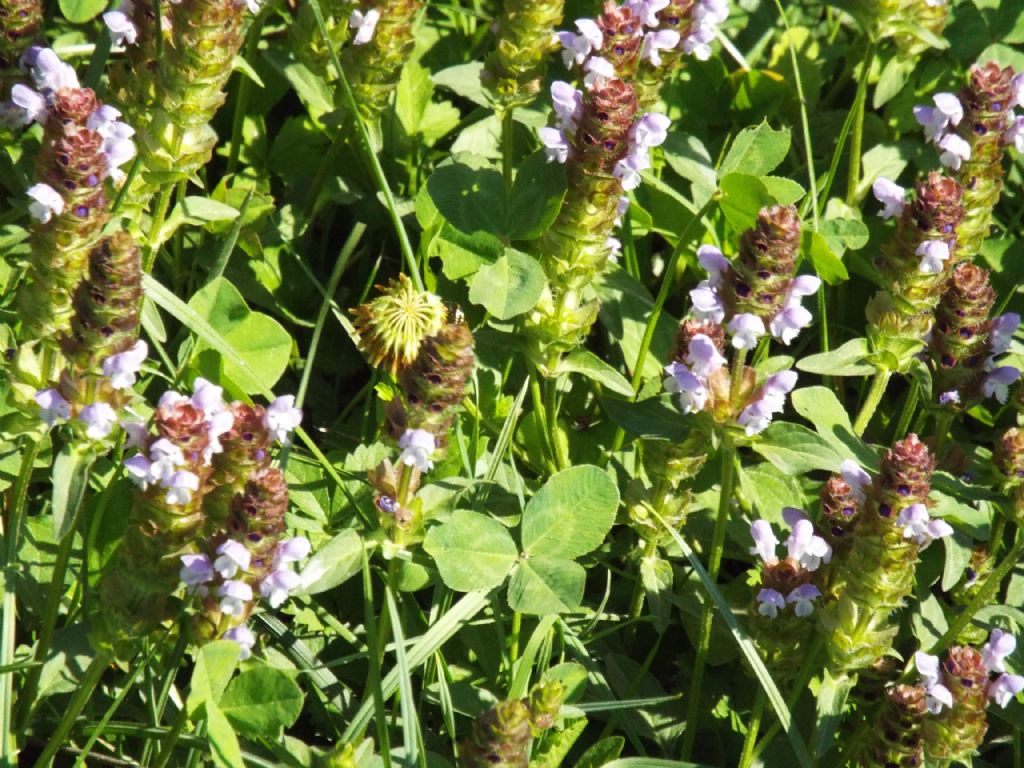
(955, 732)
(839, 507)
(500, 737)
(959, 346)
(374, 68)
(545, 701)
(524, 37)
(898, 729)
(902, 21)
(21, 24)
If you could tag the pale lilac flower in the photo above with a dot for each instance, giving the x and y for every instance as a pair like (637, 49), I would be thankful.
(806, 548)
(693, 394)
(277, 585)
(556, 146)
(891, 195)
(590, 32)
(575, 48)
(165, 457)
(122, 367)
(244, 637)
(1002, 331)
(170, 398)
(207, 397)
(770, 603)
(32, 105)
(756, 417)
(647, 11)
(119, 149)
(567, 103)
(119, 24)
(136, 434)
(789, 321)
(697, 43)
(936, 695)
(628, 169)
(777, 386)
(282, 417)
(792, 515)
(657, 41)
(746, 329)
(703, 356)
(234, 595)
(1000, 645)
(99, 420)
(1018, 90)
(364, 24)
(50, 73)
(196, 570)
(292, 550)
(597, 68)
(614, 246)
(714, 262)
(765, 542)
(712, 12)
(919, 526)
(856, 478)
(139, 470)
(998, 381)
(947, 111)
(954, 151)
(1015, 134)
(935, 3)
(950, 397)
(180, 487)
(707, 304)
(233, 556)
(933, 253)
(651, 130)
(803, 285)
(1004, 688)
(46, 202)
(804, 597)
(52, 406)
(417, 447)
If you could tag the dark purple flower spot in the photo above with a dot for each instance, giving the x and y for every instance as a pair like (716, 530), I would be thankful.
(837, 531)
(81, 211)
(619, 50)
(849, 511)
(254, 537)
(70, 185)
(966, 682)
(997, 106)
(672, 20)
(610, 145)
(966, 333)
(742, 290)
(948, 361)
(885, 510)
(93, 180)
(764, 274)
(903, 490)
(980, 129)
(602, 116)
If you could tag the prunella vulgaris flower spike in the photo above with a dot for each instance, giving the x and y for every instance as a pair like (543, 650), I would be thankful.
(877, 574)
(374, 65)
(524, 37)
(21, 24)
(958, 729)
(500, 737)
(901, 21)
(898, 729)
(544, 702)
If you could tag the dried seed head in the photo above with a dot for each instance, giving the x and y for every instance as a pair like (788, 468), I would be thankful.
(1009, 455)
(394, 325)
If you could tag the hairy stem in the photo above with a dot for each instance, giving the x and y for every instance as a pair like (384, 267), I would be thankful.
(874, 397)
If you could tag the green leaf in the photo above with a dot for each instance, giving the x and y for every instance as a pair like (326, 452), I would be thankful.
(848, 360)
(71, 471)
(571, 514)
(756, 151)
(262, 702)
(895, 75)
(311, 89)
(827, 263)
(471, 551)
(822, 408)
(557, 745)
(794, 449)
(770, 490)
(845, 234)
(546, 585)
(258, 339)
(586, 363)
(602, 753)
(626, 307)
(688, 157)
(81, 11)
(202, 209)
(332, 564)
(471, 199)
(215, 664)
(743, 196)
(655, 418)
(508, 287)
(224, 745)
(829, 709)
(536, 197)
(784, 191)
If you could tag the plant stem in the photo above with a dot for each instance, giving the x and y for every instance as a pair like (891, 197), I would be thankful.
(753, 727)
(507, 146)
(909, 407)
(159, 216)
(551, 411)
(874, 397)
(857, 137)
(83, 693)
(942, 426)
(707, 614)
(542, 420)
(637, 603)
(802, 679)
(171, 739)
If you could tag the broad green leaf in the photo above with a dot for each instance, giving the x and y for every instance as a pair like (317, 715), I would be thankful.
(571, 514)
(412, 96)
(508, 287)
(958, 557)
(756, 151)
(656, 575)
(687, 156)
(832, 696)
(743, 196)
(81, 11)
(71, 471)
(471, 551)
(626, 307)
(546, 585)
(332, 564)
(844, 234)
(224, 745)
(202, 209)
(929, 622)
(848, 360)
(461, 254)
(894, 76)
(785, 191)
(822, 408)
(770, 490)
(215, 664)
(827, 263)
(262, 702)
(557, 745)
(471, 199)
(602, 753)
(586, 363)
(794, 449)
(536, 197)
(655, 418)
(311, 89)
(464, 80)
(258, 339)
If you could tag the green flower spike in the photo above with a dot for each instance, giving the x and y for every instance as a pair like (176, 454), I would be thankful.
(500, 737)
(954, 733)
(524, 38)
(912, 25)
(375, 66)
(678, 16)
(898, 729)
(21, 24)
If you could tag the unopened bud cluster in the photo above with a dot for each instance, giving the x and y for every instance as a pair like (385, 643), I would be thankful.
(524, 36)
(383, 38)
(21, 24)
(912, 25)
(501, 736)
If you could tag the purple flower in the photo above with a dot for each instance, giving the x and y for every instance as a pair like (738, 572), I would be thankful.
(891, 195)
(917, 525)
(1015, 134)
(32, 105)
(52, 406)
(697, 42)
(756, 417)
(746, 329)
(950, 397)
(777, 386)
(806, 548)
(620, 209)
(234, 595)
(947, 111)
(46, 202)
(1002, 331)
(703, 356)
(657, 41)
(1004, 688)
(556, 146)
(207, 397)
(567, 103)
(50, 73)
(99, 420)
(628, 169)
(597, 68)
(180, 486)
(233, 557)
(765, 542)
(804, 597)
(196, 570)
(998, 382)
(693, 394)
(711, 12)
(651, 130)
(292, 550)
(792, 515)
(119, 23)
(647, 11)
(281, 417)
(277, 585)
(954, 151)
(1018, 90)
(417, 447)
(856, 478)
(714, 262)
(933, 253)
(1000, 645)
(245, 639)
(614, 246)
(122, 367)
(364, 24)
(789, 321)
(707, 305)
(937, 695)
(770, 603)
(136, 434)
(165, 457)
(578, 47)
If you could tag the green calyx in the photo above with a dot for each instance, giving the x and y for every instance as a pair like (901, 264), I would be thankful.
(524, 38)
